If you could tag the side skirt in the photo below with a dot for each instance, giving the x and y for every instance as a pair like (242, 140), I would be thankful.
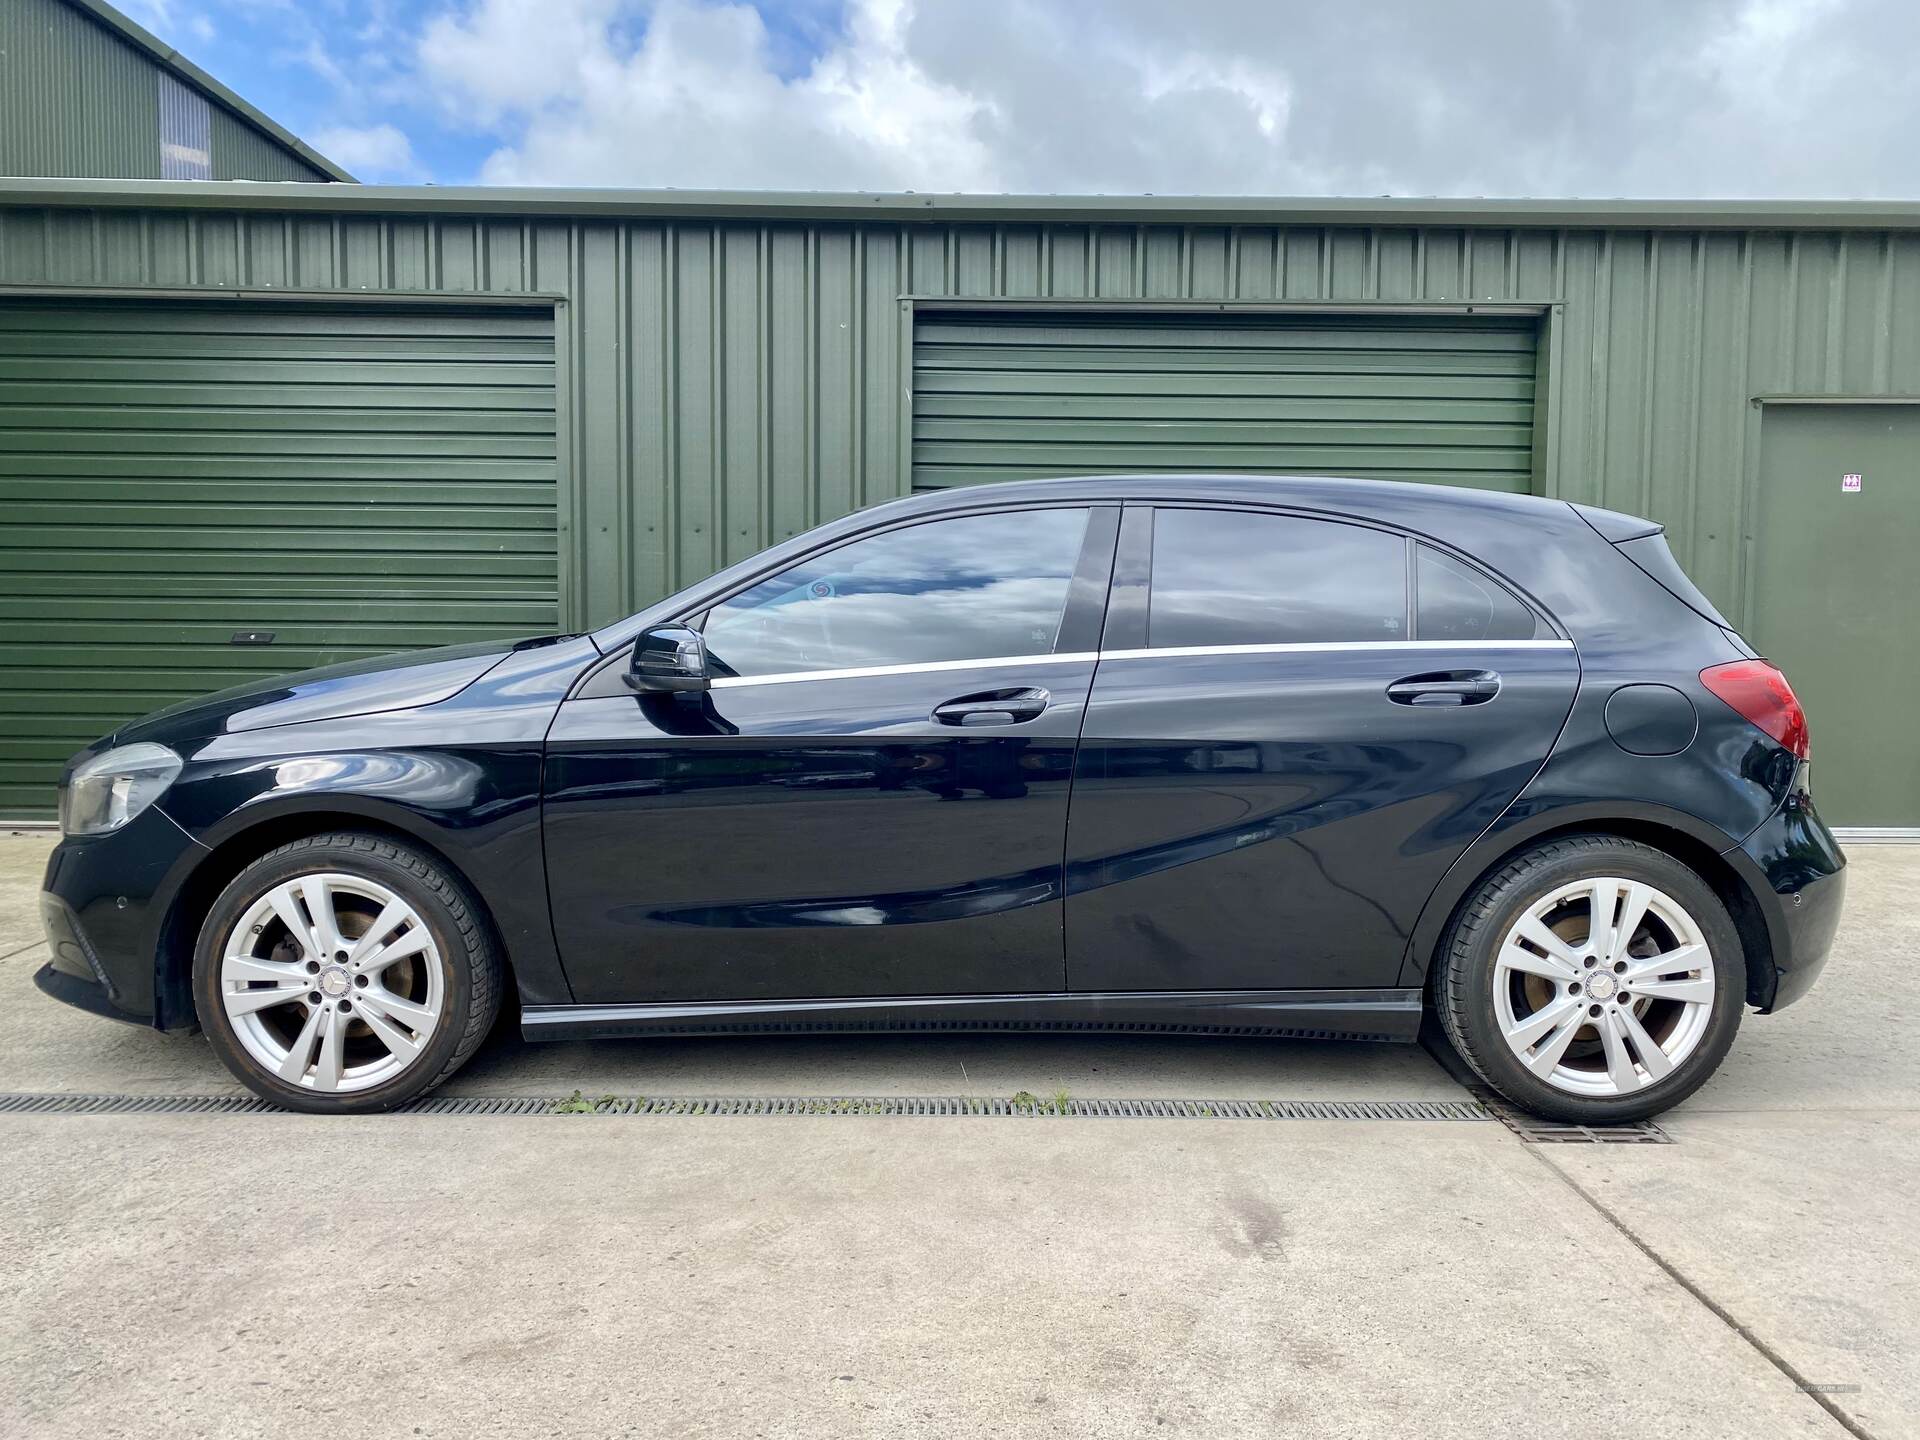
(1288, 1014)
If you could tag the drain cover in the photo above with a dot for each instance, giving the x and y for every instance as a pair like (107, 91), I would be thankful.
(1536, 1131)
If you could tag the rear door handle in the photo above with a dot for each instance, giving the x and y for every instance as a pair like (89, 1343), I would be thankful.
(994, 707)
(1446, 687)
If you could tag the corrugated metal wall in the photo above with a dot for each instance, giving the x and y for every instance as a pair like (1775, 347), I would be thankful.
(76, 99)
(733, 383)
(241, 152)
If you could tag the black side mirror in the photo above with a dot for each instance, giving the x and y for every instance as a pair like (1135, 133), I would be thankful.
(669, 658)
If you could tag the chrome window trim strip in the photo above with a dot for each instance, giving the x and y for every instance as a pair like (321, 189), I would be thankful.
(1081, 657)
(1311, 647)
(863, 672)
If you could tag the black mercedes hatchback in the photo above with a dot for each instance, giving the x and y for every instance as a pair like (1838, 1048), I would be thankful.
(1190, 754)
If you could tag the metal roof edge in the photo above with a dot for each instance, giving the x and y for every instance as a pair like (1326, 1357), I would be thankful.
(171, 59)
(850, 206)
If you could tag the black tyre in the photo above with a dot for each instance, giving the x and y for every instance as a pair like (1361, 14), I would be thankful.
(344, 973)
(1592, 979)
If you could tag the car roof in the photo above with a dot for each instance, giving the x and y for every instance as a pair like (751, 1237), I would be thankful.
(1380, 499)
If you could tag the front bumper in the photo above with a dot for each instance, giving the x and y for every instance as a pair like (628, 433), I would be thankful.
(1799, 877)
(83, 993)
(102, 904)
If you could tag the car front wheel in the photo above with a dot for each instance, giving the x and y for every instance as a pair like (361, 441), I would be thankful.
(1593, 979)
(344, 973)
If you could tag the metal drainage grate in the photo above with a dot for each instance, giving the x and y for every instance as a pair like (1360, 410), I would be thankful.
(1021, 1107)
(134, 1105)
(1536, 1131)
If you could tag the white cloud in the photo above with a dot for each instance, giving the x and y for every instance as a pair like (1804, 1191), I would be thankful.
(501, 58)
(1713, 97)
(373, 152)
(698, 99)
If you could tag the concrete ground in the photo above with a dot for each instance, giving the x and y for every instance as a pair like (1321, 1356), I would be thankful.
(456, 1276)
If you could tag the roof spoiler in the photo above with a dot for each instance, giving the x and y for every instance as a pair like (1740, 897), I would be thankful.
(1614, 526)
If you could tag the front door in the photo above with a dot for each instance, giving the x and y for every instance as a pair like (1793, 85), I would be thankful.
(1297, 726)
(871, 802)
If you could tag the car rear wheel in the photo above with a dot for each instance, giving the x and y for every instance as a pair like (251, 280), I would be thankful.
(345, 973)
(1592, 979)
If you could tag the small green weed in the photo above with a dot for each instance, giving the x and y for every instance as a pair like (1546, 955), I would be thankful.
(578, 1104)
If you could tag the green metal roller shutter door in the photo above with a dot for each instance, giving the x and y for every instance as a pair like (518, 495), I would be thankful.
(353, 481)
(1006, 397)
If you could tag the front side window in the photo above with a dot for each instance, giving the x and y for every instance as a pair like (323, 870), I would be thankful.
(1228, 577)
(969, 588)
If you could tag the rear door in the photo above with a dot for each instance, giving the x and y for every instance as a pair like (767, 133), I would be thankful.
(1297, 725)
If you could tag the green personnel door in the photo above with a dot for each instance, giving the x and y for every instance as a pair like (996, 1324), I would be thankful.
(1835, 596)
(200, 495)
(1001, 396)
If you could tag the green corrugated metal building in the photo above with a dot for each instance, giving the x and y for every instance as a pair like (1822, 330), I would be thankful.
(358, 418)
(85, 91)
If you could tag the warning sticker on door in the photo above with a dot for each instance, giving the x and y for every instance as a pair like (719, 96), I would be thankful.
(1850, 484)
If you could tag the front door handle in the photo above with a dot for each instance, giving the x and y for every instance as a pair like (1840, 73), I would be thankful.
(994, 707)
(1446, 687)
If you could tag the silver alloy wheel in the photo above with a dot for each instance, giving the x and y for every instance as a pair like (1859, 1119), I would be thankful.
(1604, 987)
(332, 982)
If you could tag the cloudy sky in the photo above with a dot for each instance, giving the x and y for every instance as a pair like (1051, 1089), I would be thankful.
(1651, 98)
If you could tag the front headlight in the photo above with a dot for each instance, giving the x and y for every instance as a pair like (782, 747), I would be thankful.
(107, 791)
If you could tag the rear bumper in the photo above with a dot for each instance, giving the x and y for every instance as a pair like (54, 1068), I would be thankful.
(1799, 878)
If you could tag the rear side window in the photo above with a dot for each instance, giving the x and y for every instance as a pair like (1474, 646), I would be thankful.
(1453, 601)
(1229, 577)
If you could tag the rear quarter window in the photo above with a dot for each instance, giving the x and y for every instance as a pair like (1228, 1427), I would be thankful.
(1455, 601)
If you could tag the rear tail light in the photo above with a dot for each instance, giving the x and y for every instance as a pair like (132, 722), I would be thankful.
(1761, 694)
